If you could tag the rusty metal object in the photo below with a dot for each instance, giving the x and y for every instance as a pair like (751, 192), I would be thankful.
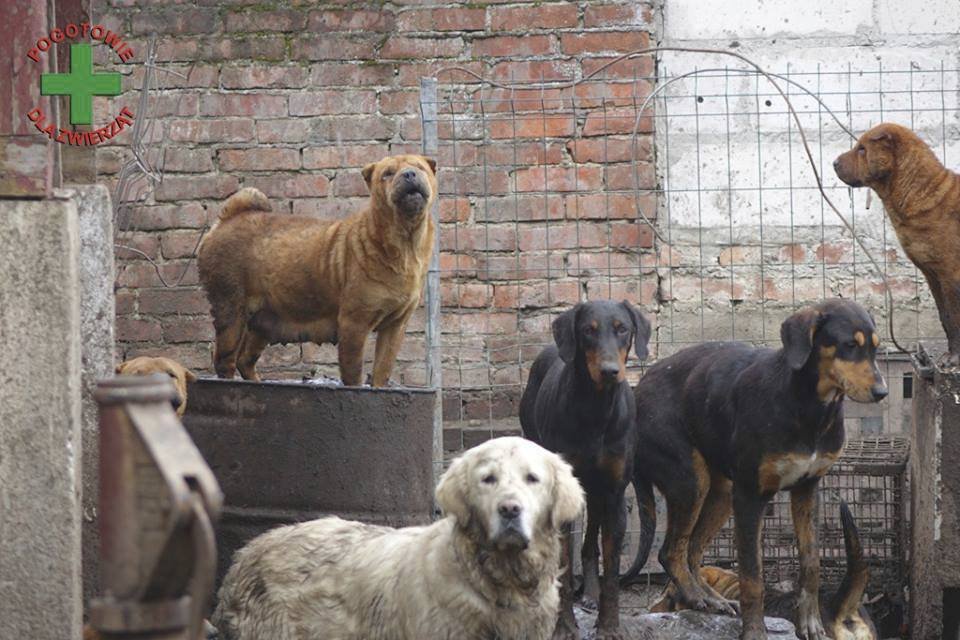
(158, 500)
(287, 451)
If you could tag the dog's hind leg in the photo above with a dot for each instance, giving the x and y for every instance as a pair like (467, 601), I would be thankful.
(803, 506)
(566, 628)
(685, 494)
(748, 509)
(253, 345)
(590, 553)
(230, 328)
(716, 510)
(612, 529)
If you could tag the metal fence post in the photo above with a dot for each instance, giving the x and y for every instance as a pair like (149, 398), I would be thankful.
(428, 111)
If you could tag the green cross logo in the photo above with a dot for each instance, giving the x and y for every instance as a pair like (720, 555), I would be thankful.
(81, 84)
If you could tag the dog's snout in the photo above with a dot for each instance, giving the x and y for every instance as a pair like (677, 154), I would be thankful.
(509, 509)
(879, 391)
(610, 369)
(836, 164)
(176, 402)
(409, 175)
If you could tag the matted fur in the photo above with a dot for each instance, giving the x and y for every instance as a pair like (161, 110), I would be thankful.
(461, 578)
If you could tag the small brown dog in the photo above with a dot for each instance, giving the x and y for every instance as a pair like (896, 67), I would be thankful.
(146, 365)
(279, 278)
(922, 198)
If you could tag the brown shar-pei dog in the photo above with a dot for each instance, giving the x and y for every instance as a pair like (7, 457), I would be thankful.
(146, 365)
(922, 198)
(279, 278)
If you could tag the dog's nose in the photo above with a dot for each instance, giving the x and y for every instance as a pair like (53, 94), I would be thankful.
(609, 370)
(879, 391)
(409, 175)
(176, 402)
(509, 509)
(836, 164)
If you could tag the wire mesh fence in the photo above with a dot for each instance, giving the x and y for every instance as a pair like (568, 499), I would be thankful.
(689, 192)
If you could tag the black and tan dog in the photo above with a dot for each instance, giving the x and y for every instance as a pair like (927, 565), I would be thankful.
(280, 278)
(578, 403)
(842, 612)
(725, 424)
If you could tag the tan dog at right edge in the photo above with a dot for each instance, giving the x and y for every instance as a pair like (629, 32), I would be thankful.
(274, 278)
(922, 198)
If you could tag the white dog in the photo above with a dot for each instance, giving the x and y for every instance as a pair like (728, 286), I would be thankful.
(488, 571)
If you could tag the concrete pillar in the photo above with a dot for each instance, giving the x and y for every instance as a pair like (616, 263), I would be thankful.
(97, 316)
(40, 433)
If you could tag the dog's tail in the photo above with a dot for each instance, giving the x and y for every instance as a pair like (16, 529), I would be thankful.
(647, 510)
(247, 199)
(850, 594)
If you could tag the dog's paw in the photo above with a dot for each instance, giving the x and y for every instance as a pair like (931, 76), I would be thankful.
(566, 630)
(588, 602)
(753, 632)
(610, 634)
(722, 606)
(810, 628)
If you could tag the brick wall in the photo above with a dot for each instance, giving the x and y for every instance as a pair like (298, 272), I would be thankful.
(294, 98)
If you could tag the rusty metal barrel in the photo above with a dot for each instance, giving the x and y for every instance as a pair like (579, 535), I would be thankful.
(158, 503)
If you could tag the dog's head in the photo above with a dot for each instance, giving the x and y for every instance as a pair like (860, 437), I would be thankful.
(145, 366)
(839, 340)
(873, 160)
(404, 184)
(507, 491)
(598, 335)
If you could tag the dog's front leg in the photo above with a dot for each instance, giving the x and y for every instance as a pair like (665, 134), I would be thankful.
(389, 340)
(748, 520)
(611, 533)
(803, 507)
(566, 628)
(351, 336)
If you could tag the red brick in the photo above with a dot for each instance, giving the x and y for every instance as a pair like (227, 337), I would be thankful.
(125, 302)
(626, 235)
(612, 94)
(348, 155)
(291, 186)
(195, 75)
(263, 76)
(526, 296)
(455, 19)
(523, 100)
(512, 46)
(399, 102)
(546, 16)
(608, 150)
(258, 159)
(479, 323)
(257, 21)
(175, 20)
(166, 104)
(352, 74)
(179, 159)
(454, 209)
(473, 181)
(350, 183)
(173, 301)
(196, 356)
(220, 47)
(138, 330)
(316, 103)
(170, 216)
(282, 130)
(624, 176)
(603, 41)
(465, 294)
(143, 274)
(360, 46)
(555, 126)
(196, 187)
(146, 243)
(243, 104)
(411, 72)
(520, 208)
(350, 128)
(213, 130)
(552, 178)
(487, 238)
(643, 291)
(834, 252)
(404, 47)
(609, 206)
(564, 235)
(533, 70)
(351, 20)
(605, 263)
(457, 265)
(519, 153)
(524, 266)
(614, 121)
(624, 68)
(617, 15)
(179, 244)
(187, 329)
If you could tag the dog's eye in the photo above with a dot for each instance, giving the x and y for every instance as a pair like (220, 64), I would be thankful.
(490, 479)
(622, 329)
(387, 174)
(861, 149)
(532, 478)
(851, 344)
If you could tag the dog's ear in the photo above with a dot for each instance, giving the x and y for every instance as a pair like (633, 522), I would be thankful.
(641, 330)
(883, 137)
(368, 172)
(452, 492)
(567, 493)
(796, 333)
(432, 163)
(565, 334)
(190, 375)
